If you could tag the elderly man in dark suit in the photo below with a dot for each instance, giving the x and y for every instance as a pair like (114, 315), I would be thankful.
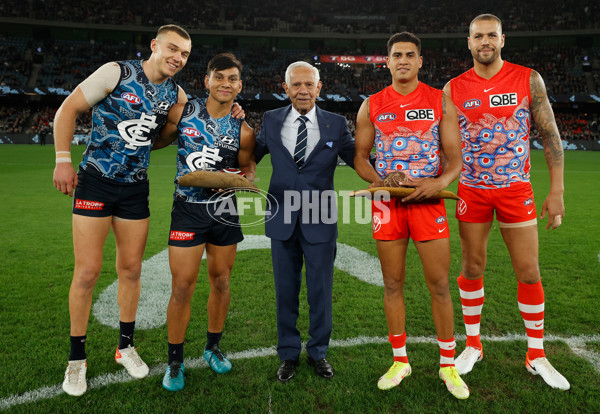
(304, 142)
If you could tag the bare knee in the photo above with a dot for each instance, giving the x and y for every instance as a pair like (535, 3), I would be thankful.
(219, 283)
(182, 291)
(130, 271)
(528, 275)
(439, 289)
(473, 267)
(85, 278)
(393, 287)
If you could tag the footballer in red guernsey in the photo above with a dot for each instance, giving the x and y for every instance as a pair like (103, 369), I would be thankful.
(411, 126)
(496, 101)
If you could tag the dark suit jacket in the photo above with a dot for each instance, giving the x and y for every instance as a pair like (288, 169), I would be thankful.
(315, 176)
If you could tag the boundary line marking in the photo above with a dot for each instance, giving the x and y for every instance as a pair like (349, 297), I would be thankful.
(576, 344)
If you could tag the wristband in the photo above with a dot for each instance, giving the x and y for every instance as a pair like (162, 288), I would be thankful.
(63, 159)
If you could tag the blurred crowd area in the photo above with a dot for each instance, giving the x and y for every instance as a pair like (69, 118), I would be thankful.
(568, 67)
(38, 119)
(331, 16)
(65, 63)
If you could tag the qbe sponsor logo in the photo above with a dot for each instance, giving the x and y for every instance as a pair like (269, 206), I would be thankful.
(131, 97)
(419, 115)
(503, 99)
(88, 205)
(181, 235)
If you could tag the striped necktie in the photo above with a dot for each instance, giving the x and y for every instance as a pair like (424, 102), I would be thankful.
(301, 140)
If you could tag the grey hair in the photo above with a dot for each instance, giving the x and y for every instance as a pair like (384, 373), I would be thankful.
(300, 64)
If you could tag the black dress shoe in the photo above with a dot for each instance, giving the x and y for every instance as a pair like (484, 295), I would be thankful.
(287, 370)
(322, 367)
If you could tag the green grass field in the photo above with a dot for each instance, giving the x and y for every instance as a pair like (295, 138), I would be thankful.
(37, 263)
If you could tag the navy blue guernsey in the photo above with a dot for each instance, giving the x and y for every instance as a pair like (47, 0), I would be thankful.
(205, 144)
(125, 125)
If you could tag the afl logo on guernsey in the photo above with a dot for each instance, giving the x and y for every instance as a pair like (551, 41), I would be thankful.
(191, 132)
(131, 98)
(440, 220)
(386, 117)
(471, 103)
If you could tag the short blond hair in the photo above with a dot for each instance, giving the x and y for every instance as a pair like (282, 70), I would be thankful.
(173, 28)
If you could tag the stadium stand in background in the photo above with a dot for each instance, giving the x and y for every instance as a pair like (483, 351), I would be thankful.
(47, 49)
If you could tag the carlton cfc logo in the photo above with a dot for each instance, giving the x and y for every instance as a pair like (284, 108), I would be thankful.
(131, 98)
(386, 117)
(191, 132)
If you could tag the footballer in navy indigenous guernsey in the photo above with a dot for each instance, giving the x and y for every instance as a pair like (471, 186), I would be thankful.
(210, 145)
(130, 101)
(210, 139)
(125, 123)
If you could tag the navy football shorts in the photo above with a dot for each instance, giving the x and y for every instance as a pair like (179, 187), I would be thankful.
(95, 196)
(193, 224)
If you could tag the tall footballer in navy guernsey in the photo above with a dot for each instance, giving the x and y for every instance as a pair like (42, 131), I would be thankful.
(125, 123)
(130, 101)
(208, 139)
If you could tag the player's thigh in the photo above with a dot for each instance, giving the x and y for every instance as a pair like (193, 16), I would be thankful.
(473, 243)
(220, 259)
(522, 244)
(392, 255)
(435, 257)
(89, 235)
(130, 237)
(185, 264)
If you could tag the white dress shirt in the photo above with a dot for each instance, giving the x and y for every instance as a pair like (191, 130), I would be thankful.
(289, 131)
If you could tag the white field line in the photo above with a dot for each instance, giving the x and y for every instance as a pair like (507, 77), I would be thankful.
(576, 344)
(156, 282)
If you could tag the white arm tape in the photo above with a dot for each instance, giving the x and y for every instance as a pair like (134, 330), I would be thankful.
(100, 83)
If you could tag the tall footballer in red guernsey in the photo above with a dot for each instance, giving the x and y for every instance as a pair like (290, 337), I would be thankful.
(495, 101)
(411, 124)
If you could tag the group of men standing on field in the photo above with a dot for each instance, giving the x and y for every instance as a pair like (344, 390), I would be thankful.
(416, 130)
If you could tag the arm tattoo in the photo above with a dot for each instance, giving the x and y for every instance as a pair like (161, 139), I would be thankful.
(443, 104)
(545, 123)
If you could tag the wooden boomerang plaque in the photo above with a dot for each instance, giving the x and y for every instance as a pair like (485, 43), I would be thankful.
(399, 192)
(216, 179)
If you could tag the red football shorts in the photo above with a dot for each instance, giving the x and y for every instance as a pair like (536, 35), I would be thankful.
(394, 220)
(512, 204)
